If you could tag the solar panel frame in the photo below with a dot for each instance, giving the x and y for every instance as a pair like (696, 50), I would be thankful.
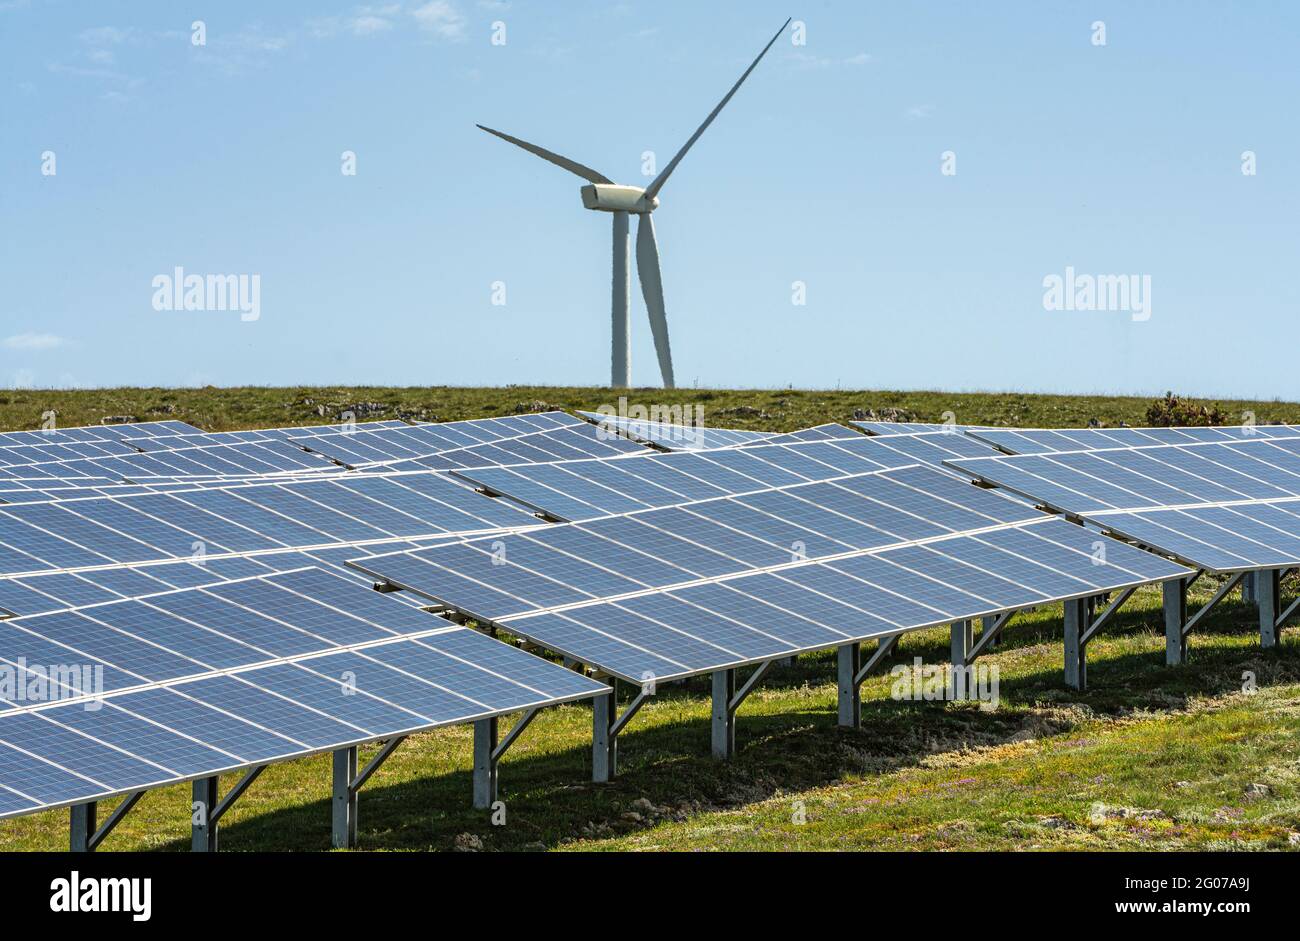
(254, 712)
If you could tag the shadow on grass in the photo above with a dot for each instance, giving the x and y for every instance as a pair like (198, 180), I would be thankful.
(550, 799)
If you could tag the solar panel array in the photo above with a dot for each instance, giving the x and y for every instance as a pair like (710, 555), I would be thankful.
(243, 459)
(202, 574)
(827, 432)
(1048, 440)
(675, 437)
(672, 592)
(198, 682)
(887, 428)
(197, 438)
(1220, 506)
(360, 447)
(562, 444)
(96, 433)
(99, 531)
(55, 590)
(183, 531)
(581, 490)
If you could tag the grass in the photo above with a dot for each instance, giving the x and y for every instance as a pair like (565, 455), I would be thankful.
(782, 410)
(1149, 757)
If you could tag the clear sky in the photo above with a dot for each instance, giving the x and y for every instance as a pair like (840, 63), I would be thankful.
(826, 169)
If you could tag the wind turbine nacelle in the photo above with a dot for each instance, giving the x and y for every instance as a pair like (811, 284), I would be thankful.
(610, 197)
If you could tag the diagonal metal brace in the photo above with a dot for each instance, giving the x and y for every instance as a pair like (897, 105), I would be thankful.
(632, 708)
(1106, 616)
(515, 731)
(1291, 609)
(251, 775)
(373, 764)
(118, 813)
(1219, 595)
(750, 683)
(987, 636)
(884, 647)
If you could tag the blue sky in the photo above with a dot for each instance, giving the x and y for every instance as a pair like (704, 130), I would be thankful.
(826, 168)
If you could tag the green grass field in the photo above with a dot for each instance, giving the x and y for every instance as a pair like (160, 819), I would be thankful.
(781, 410)
(1149, 757)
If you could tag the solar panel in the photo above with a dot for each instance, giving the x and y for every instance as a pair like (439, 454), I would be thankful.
(103, 531)
(101, 433)
(674, 437)
(711, 538)
(583, 490)
(1220, 506)
(1049, 440)
(195, 700)
(827, 432)
(887, 428)
(876, 554)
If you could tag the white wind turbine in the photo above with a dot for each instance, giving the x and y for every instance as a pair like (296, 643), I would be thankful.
(604, 195)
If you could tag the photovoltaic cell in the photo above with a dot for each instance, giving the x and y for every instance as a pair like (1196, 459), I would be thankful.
(1197, 502)
(864, 556)
(216, 689)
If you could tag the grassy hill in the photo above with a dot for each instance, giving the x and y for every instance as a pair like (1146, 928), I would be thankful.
(1150, 757)
(781, 410)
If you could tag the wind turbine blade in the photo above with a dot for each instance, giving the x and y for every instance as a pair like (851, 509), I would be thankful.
(652, 289)
(571, 165)
(662, 178)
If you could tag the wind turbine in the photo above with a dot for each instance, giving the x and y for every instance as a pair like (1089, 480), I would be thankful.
(604, 195)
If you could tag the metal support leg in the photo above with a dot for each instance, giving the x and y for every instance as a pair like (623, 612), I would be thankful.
(1249, 593)
(485, 768)
(82, 827)
(1175, 594)
(724, 720)
(850, 662)
(962, 640)
(604, 743)
(344, 831)
(1268, 592)
(203, 829)
(1076, 656)
(988, 624)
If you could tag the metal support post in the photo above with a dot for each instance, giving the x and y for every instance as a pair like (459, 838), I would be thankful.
(724, 719)
(82, 827)
(1268, 592)
(849, 659)
(485, 767)
(1076, 656)
(962, 640)
(344, 830)
(604, 742)
(203, 824)
(1175, 602)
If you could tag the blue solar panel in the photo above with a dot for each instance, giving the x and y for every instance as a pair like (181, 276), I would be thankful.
(1192, 501)
(77, 753)
(186, 720)
(1047, 440)
(205, 644)
(981, 554)
(50, 549)
(248, 740)
(183, 756)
